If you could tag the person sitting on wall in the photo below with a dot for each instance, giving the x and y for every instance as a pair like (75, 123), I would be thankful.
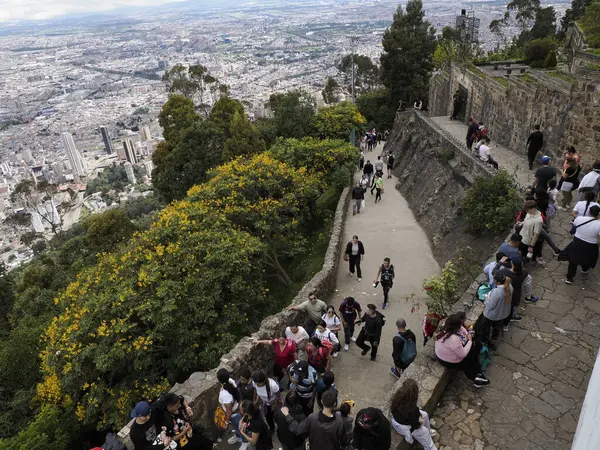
(485, 154)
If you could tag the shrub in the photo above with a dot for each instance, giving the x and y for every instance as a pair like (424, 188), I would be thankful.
(551, 60)
(441, 290)
(537, 50)
(491, 204)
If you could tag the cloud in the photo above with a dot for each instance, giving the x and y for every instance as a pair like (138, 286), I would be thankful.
(47, 9)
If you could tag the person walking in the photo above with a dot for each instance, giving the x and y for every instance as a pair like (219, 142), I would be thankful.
(385, 276)
(404, 344)
(583, 249)
(288, 439)
(497, 310)
(334, 324)
(371, 332)
(368, 171)
(582, 208)
(324, 428)
(326, 335)
(569, 182)
(454, 349)
(350, 310)
(531, 228)
(390, 164)
(535, 142)
(378, 187)
(372, 430)
(361, 161)
(314, 308)
(253, 427)
(355, 251)
(319, 356)
(358, 195)
(544, 174)
(266, 397)
(590, 182)
(230, 399)
(408, 420)
(379, 166)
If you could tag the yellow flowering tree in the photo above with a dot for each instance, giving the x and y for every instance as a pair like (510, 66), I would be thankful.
(337, 121)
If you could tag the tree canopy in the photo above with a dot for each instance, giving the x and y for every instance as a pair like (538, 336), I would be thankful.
(337, 121)
(176, 115)
(292, 113)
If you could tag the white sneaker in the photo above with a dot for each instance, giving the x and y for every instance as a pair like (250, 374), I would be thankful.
(360, 279)
(505, 328)
(353, 339)
(432, 432)
(335, 355)
(234, 440)
(244, 446)
(351, 274)
(346, 347)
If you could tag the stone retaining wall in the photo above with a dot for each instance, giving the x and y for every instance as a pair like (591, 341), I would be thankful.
(201, 389)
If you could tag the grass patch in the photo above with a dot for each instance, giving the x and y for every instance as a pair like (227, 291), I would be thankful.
(502, 80)
(528, 78)
(592, 66)
(562, 76)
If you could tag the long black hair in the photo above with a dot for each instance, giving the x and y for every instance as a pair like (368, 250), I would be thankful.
(451, 326)
(223, 376)
(249, 408)
(590, 196)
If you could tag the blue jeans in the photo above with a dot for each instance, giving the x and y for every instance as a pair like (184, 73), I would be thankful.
(235, 421)
(348, 331)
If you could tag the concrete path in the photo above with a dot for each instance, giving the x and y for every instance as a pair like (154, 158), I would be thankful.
(541, 370)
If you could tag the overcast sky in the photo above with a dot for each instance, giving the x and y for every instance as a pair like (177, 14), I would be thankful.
(47, 9)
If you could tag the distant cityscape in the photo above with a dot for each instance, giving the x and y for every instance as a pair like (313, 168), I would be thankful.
(78, 97)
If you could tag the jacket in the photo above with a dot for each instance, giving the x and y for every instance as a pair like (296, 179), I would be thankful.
(535, 141)
(324, 433)
(398, 344)
(373, 325)
(368, 169)
(284, 434)
(361, 248)
(379, 434)
(454, 348)
(495, 305)
(358, 193)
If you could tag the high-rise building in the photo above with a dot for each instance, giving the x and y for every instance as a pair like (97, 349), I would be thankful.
(129, 151)
(27, 156)
(106, 139)
(145, 133)
(130, 173)
(73, 154)
(149, 166)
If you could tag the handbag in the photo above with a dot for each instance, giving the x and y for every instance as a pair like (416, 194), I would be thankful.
(220, 418)
(567, 186)
(346, 257)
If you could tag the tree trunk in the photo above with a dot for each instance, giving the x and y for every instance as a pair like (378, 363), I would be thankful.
(273, 261)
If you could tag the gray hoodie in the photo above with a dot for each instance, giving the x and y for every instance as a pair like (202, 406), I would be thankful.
(324, 433)
(495, 305)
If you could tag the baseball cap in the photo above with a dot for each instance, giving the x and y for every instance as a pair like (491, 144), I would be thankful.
(301, 367)
(142, 409)
(545, 159)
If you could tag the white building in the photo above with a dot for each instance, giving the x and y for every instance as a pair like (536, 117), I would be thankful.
(73, 154)
(129, 172)
(149, 166)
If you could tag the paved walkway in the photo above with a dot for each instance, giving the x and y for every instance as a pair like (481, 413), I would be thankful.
(540, 372)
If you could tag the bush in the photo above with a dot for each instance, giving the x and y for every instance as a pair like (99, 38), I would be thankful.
(491, 204)
(537, 50)
(551, 60)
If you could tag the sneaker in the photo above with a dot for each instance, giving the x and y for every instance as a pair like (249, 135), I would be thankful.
(353, 339)
(395, 372)
(532, 299)
(515, 318)
(234, 440)
(244, 446)
(364, 352)
(585, 271)
(346, 347)
(336, 354)
(505, 328)
(372, 358)
(384, 306)
(360, 279)
(561, 208)
(480, 382)
(557, 253)
(351, 274)
(569, 281)
(432, 432)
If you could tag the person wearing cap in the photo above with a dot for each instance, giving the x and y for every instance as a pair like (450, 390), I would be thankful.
(583, 249)
(535, 142)
(303, 380)
(544, 174)
(511, 248)
(143, 432)
(372, 430)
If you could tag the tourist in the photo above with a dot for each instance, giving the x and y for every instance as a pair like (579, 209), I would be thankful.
(378, 168)
(511, 248)
(363, 144)
(390, 164)
(300, 336)
(521, 281)
(253, 428)
(314, 308)
(531, 227)
(229, 399)
(144, 434)
(569, 182)
(385, 276)
(482, 130)
(553, 202)
(497, 310)
(455, 350)
(324, 428)
(354, 253)
(326, 335)
(333, 324)
(590, 182)
(535, 142)
(303, 380)
(344, 413)
(378, 187)
(361, 161)
(371, 332)
(485, 154)
(319, 356)
(583, 249)
(245, 385)
(404, 344)
(472, 133)
(324, 384)
(364, 183)
(571, 158)
(407, 419)
(350, 310)
(358, 195)
(372, 430)
(544, 174)
(288, 439)
(286, 353)
(266, 395)
(368, 171)
(582, 208)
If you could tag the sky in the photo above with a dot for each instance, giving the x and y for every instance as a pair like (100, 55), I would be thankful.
(11, 10)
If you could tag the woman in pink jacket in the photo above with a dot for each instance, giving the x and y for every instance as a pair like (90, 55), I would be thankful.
(455, 349)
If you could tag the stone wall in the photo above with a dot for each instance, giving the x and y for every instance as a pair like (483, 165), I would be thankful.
(201, 389)
(569, 113)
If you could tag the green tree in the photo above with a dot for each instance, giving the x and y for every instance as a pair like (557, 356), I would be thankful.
(245, 138)
(292, 113)
(590, 24)
(374, 106)
(406, 61)
(267, 129)
(445, 52)
(190, 81)
(32, 196)
(223, 112)
(337, 121)
(550, 60)
(366, 72)
(199, 149)
(329, 91)
(545, 23)
(176, 115)
(537, 50)
(572, 14)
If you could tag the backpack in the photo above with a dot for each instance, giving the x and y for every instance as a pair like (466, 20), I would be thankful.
(409, 351)
(485, 358)
(328, 345)
(483, 289)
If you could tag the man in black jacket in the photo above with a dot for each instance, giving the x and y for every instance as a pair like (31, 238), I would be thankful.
(398, 342)
(358, 195)
(535, 141)
(371, 332)
(372, 430)
(144, 434)
(368, 171)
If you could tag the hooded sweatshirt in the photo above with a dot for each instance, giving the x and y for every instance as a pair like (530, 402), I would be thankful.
(324, 432)
(285, 435)
(495, 305)
(372, 430)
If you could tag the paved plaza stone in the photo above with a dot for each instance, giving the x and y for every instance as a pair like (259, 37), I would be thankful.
(540, 372)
